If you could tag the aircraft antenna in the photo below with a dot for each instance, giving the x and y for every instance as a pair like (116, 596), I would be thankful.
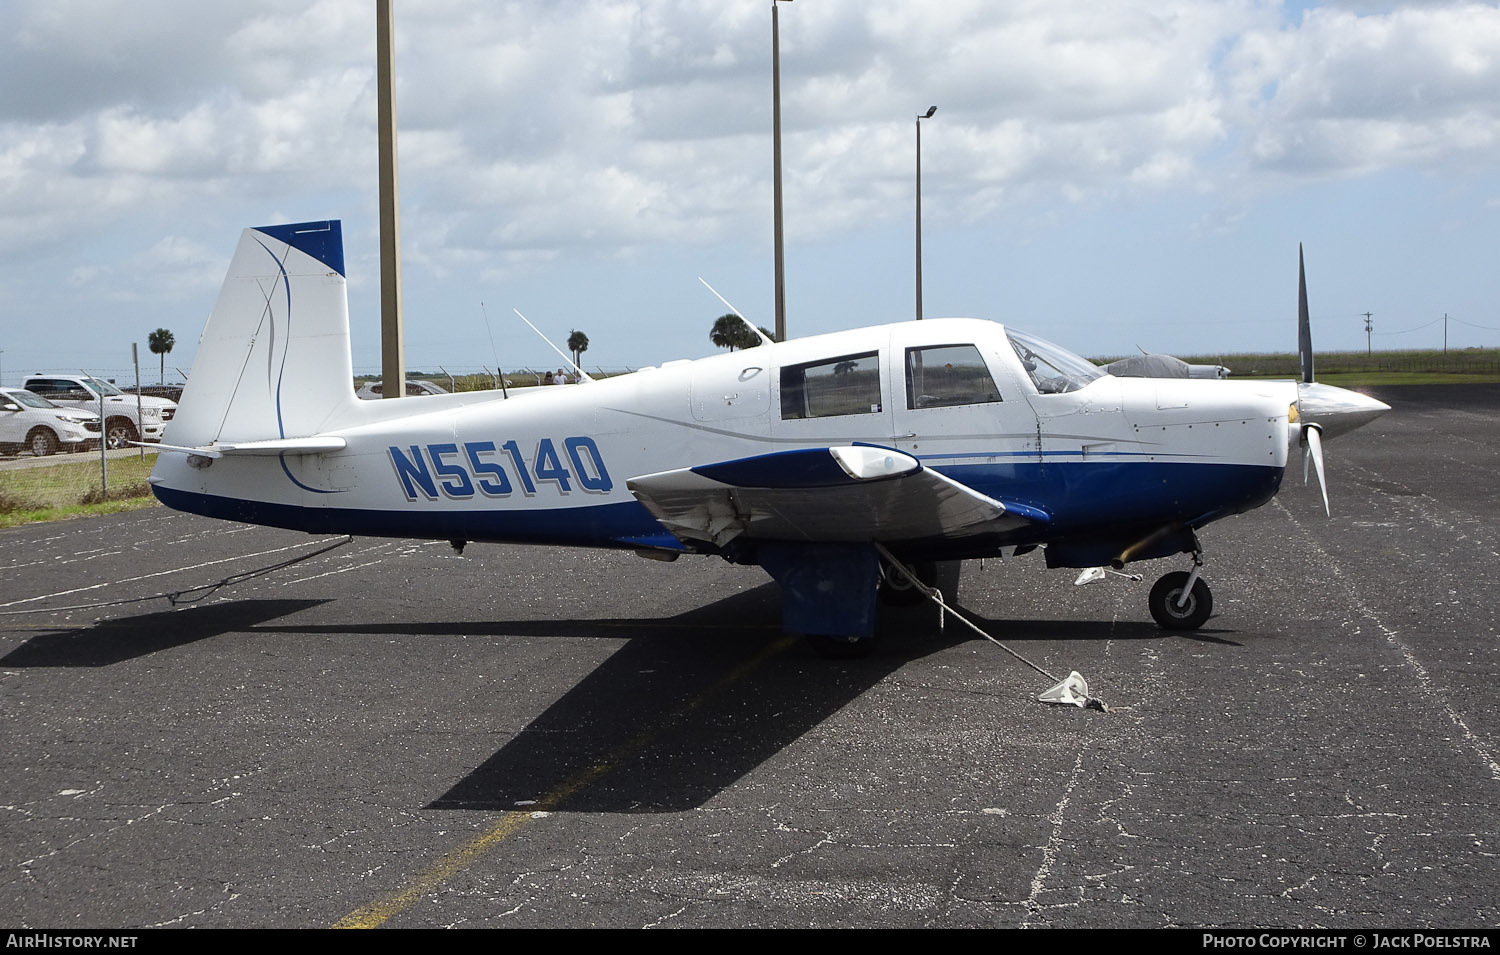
(494, 353)
(737, 314)
(583, 374)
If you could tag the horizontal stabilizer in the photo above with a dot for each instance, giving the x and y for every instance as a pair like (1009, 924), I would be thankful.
(841, 494)
(314, 445)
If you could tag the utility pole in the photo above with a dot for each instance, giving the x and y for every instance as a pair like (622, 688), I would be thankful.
(392, 333)
(776, 174)
(1367, 333)
(920, 117)
(1445, 333)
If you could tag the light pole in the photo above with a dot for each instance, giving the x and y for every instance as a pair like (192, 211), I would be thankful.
(392, 331)
(926, 115)
(776, 174)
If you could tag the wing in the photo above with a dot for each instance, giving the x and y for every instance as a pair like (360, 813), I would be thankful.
(843, 494)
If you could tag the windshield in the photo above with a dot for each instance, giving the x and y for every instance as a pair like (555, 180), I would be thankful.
(101, 387)
(23, 397)
(1052, 368)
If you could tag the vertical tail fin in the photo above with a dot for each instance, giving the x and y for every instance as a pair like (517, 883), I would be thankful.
(273, 361)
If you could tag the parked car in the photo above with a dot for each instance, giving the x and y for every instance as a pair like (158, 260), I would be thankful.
(169, 392)
(122, 423)
(32, 423)
(415, 388)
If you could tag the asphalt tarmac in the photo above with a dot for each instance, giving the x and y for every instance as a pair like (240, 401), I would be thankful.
(392, 735)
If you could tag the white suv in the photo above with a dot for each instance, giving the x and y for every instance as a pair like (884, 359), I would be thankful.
(122, 424)
(33, 423)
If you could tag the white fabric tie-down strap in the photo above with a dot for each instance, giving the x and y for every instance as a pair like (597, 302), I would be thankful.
(1073, 691)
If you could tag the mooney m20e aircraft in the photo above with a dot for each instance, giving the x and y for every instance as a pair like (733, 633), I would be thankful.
(820, 459)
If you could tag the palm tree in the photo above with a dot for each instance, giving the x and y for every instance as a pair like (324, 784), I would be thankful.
(725, 333)
(578, 343)
(731, 332)
(160, 342)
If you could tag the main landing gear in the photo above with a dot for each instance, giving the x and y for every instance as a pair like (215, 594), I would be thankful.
(1181, 600)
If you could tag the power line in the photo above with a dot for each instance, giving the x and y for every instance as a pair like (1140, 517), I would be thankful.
(1488, 328)
(1408, 331)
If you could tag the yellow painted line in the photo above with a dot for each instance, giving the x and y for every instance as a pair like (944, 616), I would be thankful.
(378, 912)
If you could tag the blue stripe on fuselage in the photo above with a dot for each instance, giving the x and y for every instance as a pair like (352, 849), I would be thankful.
(600, 525)
(1101, 499)
(1102, 495)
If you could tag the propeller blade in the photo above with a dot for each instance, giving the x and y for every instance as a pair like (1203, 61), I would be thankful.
(1304, 324)
(1314, 437)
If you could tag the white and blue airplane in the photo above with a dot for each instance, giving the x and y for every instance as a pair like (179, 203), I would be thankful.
(820, 459)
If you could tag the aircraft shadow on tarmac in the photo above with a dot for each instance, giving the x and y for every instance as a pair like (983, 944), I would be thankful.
(1063, 631)
(694, 702)
(116, 640)
(688, 705)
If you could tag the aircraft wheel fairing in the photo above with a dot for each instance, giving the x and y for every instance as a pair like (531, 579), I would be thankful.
(1192, 614)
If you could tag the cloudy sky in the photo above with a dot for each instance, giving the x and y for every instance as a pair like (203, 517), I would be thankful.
(1107, 174)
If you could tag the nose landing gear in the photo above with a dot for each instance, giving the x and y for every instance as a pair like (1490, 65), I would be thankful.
(1181, 600)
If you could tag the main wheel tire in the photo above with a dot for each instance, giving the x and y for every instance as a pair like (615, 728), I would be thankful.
(41, 442)
(119, 433)
(1192, 614)
(897, 590)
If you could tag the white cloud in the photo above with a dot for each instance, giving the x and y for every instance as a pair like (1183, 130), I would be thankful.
(609, 127)
(1343, 93)
(610, 122)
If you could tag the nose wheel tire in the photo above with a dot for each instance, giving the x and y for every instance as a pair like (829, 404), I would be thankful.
(1191, 614)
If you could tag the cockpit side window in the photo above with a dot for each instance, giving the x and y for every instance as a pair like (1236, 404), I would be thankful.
(941, 376)
(849, 384)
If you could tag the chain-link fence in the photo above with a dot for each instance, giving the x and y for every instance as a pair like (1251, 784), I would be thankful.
(456, 377)
(36, 487)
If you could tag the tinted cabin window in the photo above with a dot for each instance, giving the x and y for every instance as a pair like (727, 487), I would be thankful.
(849, 384)
(942, 376)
